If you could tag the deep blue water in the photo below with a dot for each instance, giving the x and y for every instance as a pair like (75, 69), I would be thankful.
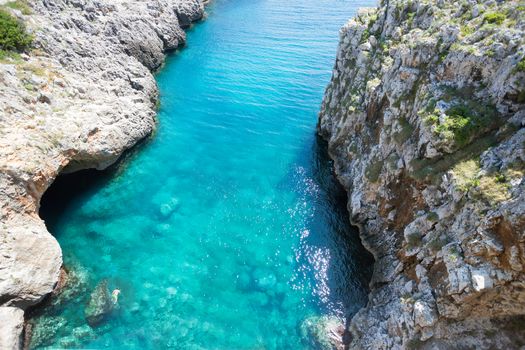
(227, 229)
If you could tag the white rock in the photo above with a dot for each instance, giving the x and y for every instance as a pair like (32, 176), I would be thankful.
(481, 280)
(424, 315)
(11, 327)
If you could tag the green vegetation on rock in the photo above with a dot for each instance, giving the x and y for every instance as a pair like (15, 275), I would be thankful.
(413, 240)
(9, 56)
(520, 67)
(492, 187)
(374, 169)
(20, 5)
(13, 35)
(437, 243)
(461, 122)
(405, 132)
(494, 18)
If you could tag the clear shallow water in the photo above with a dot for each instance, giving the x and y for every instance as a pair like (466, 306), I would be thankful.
(227, 229)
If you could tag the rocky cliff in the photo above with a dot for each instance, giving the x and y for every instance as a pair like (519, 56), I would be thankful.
(78, 99)
(425, 117)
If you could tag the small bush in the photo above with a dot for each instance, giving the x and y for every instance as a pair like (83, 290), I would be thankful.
(521, 97)
(494, 18)
(442, 56)
(495, 189)
(406, 131)
(413, 240)
(456, 124)
(437, 243)
(9, 56)
(432, 216)
(21, 5)
(520, 67)
(373, 170)
(431, 119)
(464, 121)
(13, 36)
(365, 36)
(466, 173)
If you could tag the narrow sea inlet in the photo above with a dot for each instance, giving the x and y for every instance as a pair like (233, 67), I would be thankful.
(227, 229)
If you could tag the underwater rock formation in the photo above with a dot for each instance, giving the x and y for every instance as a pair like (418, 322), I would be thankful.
(100, 304)
(324, 333)
(425, 117)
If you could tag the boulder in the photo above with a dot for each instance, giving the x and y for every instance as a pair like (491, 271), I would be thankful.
(324, 333)
(100, 304)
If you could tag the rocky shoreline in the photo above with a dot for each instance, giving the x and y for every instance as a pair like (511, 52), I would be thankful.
(425, 117)
(83, 95)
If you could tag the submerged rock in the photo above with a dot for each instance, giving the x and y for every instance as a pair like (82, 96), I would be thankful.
(167, 208)
(44, 329)
(73, 283)
(83, 333)
(264, 279)
(100, 304)
(324, 333)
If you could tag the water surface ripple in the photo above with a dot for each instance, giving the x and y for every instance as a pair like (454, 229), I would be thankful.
(227, 229)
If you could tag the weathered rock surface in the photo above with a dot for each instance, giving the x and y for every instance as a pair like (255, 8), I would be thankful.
(425, 117)
(99, 305)
(11, 327)
(81, 97)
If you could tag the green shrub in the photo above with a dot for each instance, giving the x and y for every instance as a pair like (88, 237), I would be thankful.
(372, 20)
(437, 243)
(373, 170)
(443, 55)
(21, 5)
(520, 67)
(365, 36)
(410, 19)
(494, 17)
(406, 131)
(521, 97)
(9, 56)
(413, 240)
(456, 124)
(466, 30)
(464, 121)
(432, 216)
(432, 119)
(13, 36)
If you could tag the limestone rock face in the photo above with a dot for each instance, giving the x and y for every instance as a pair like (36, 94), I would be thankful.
(78, 99)
(12, 325)
(425, 117)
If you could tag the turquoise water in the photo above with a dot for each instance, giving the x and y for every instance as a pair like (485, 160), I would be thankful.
(225, 230)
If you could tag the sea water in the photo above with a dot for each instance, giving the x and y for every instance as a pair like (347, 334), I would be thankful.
(226, 229)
